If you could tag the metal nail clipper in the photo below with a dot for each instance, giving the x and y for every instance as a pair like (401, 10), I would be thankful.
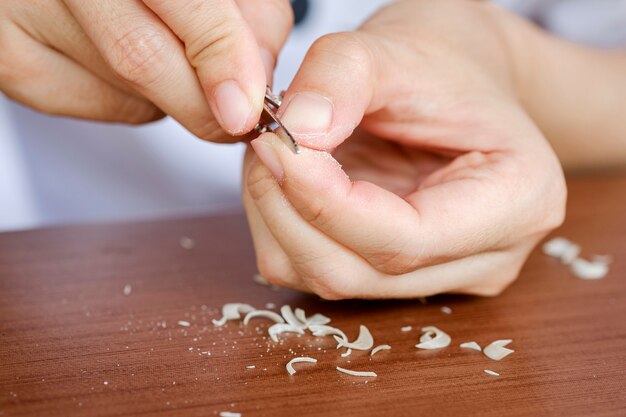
(270, 122)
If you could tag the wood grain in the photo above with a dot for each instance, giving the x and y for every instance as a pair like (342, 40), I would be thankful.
(72, 344)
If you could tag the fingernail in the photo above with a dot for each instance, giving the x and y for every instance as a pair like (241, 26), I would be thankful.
(268, 64)
(233, 106)
(308, 113)
(266, 154)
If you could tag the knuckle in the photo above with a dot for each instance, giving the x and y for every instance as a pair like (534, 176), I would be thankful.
(344, 47)
(274, 272)
(259, 182)
(218, 39)
(395, 263)
(328, 291)
(139, 55)
(329, 286)
(399, 256)
(337, 291)
(315, 212)
(498, 282)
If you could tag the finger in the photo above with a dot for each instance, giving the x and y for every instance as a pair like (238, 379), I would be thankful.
(272, 262)
(334, 272)
(49, 82)
(332, 90)
(325, 267)
(58, 30)
(257, 13)
(224, 52)
(486, 274)
(373, 222)
(468, 212)
(145, 53)
(353, 77)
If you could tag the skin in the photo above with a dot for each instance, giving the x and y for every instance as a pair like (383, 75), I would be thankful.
(431, 136)
(449, 180)
(134, 61)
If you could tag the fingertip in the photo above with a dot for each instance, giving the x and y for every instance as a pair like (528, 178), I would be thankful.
(331, 92)
(259, 180)
(265, 149)
(312, 181)
(310, 166)
(236, 111)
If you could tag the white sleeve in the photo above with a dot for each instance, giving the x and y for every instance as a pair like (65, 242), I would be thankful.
(17, 205)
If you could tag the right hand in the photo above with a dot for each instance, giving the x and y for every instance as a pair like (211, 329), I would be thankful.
(204, 62)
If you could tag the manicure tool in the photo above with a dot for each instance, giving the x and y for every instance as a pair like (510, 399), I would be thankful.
(270, 122)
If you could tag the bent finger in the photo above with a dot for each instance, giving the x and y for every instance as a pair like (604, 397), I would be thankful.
(485, 274)
(223, 51)
(325, 267)
(141, 50)
(272, 261)
(335, 272)
(49, 82)
(373, 222)
(466, 211)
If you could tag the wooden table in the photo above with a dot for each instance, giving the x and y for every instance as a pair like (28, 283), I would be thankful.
(71, 343)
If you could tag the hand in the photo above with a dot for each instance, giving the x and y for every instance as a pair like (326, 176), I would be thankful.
(204, 62)
(450, 183)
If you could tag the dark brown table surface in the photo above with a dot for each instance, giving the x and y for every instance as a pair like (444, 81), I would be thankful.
(71, 343)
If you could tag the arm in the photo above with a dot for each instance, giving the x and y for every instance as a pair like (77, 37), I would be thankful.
(575, 94)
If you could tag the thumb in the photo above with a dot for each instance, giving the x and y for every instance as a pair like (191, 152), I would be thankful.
(337, 84)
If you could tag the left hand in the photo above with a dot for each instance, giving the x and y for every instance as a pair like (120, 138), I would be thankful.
(451, 184)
